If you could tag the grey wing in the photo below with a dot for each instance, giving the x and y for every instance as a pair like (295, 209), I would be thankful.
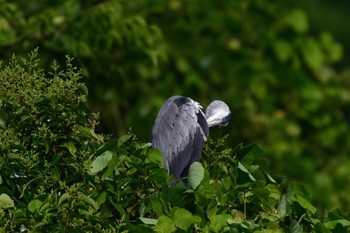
(178, 135)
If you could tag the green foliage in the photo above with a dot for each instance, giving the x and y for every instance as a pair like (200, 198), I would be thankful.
(58, 175)
(261, 57)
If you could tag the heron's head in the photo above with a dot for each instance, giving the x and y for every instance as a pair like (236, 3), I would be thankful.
(218, 114)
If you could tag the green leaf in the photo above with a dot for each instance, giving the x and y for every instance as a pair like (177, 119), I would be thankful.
(89, 201)
(248, 154)
(269, 194)
(283, 207)
(165, 225)
(334, 50)
(100, 162)
(63, 198)
(6, 202)
(245, 170)
(154, 156)
(183, 219)
(157, 206)
(321, 228)
(71, 147)
(111, 145)
(297, 19)
(217, 222)
(305, 204)
(283, 50)
(332, 224)
(195, 174)
(149, 221)
(295, 227)
(101, 198)
(34, 205)
(123, 139)
(312, 53)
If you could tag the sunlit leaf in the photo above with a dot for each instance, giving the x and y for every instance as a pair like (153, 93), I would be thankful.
(195, 174)
(6, 202)
(101, 162)
(34, 205)
(154, 156)
(149, 221)
(165, 225)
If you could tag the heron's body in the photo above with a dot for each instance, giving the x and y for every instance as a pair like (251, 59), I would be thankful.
(180, 130)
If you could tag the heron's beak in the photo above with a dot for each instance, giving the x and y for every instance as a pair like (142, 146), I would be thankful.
(213, 122)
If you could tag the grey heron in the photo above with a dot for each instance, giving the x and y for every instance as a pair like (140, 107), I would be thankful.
(181, 128)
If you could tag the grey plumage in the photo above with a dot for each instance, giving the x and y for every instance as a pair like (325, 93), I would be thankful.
(180, 130)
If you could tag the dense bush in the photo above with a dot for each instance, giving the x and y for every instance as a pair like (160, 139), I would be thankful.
(58, 175)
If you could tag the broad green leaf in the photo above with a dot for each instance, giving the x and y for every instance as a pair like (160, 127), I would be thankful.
(165, 225)
(217, 222)
(6, 201)
(34, 205)
(157, 206)
(101, 162)
(112, 167)
(183, 219)
(154, 156)
(305, 204)
(149, 221)
(283, 207)
(195, 174)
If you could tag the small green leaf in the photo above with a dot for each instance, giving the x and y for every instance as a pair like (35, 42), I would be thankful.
(283, 50)
(123, 139)
(63, 198)
(297, 19)
(149, 221)
(101, 162)
(195, 174)
(34, 205)
(71, 147)
(312, 53)
(89, 201)
(6, 202)
(101, 198)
